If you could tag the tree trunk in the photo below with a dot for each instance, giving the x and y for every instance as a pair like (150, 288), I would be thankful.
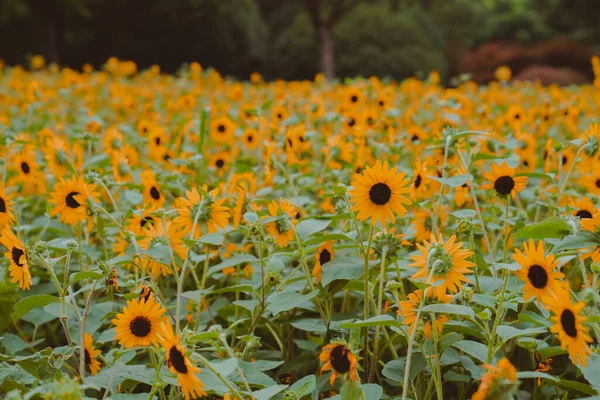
(326, 49)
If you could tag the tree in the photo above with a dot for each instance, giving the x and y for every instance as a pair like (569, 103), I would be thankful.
(324, 14)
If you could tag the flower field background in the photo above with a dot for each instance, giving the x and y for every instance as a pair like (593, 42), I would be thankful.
(191, 236)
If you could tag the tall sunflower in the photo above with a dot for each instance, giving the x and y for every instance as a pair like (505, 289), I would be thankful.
(6, 216)
(19, 263)
(443, 261)
(139, 324)
(208, 209)
(69, 198)
(409, 308)
(503, 180)
(339, 359)
(378, 193)
(90, 354)
(323, 256)
(180, 364)
(568, 325)
(537, 271)
(283, 227)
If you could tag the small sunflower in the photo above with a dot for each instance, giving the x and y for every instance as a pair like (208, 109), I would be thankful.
(283, 227)
(237, 212)
(250, 138)
(378, 193)
(19, 263)
(503, 180)
(139, 324)
(28, 173)
(220, 162)
(409, 309)
(568, 325)
(339, 359)
(90, 354)
(179, 363)
(222, 130)
(153, 195)
(208, 209)
(592, 225)
(323, 256)
(583, 208)
(443, 261)
(499, 382)
(58, 157)
(163, 235)
(6, 216)
(69, 198)
(537, 271)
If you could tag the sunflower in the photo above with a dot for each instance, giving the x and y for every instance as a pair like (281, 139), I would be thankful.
(503, 181)
(205, 209)
(443, 261)
(222, 130)
(583, 208)
(283, 227)
(537, 271)
(57, 157)
(409, 309)
(339, 359)
(28, 173)
(139, 324)
(592, 225)
(153, 196)
(6, 216)
(568, 325)
(423, 222)
(19, 262)
(220, 162)
(69, 198)
(245, 180)
(323, 256)
(90, 354)
(163, 235)
(420, 182)
(499, 382)
(120, 167)
(180, 364)
(238, 209)
(377, 193)
(250, 138)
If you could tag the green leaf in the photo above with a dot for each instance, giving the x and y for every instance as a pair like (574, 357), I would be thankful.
(81, 275)
(483, 156)
(284, 301)
(269, 392)
(372, 391)
(325, 238)
(591, 371)
(508, 332)
(342, 267)
(529, 316)
(313, 325)
(245, 288)
(474, 349)
(14, 344)
(577, 386)
(449, 309)
(465, 213)
(351, 391)
(581, 240)
(454, 181)
(28, 303)
(214, 239)
(225, 367)
(304, 386)
(536, 374)
(307, 227)
(379, 320)
(553, 227)
(133, 196)
(232, 262)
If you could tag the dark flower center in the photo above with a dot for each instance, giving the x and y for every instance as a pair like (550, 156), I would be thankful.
(70, 200)
(140, 326)
(220, 163)
(583, 214)
(418, 180)
(88, 359)
(564, 160)
(537, 276)
(157, 141)
(381, 103)
(504, 185)
(598, 183)
(154, 193)
(339, 359)
(2, 205)
(324, 256)
(354, 98)
(146, 220)
(351, 122)
(279, 115)
(567, 321)
(380, 194)
(250, 138)
(414, 138)
(177, 360)
(25, 167)
(370, 121)
(16, 254)
(221, 128)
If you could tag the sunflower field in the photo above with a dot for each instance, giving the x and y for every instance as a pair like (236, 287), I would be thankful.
(191, 236)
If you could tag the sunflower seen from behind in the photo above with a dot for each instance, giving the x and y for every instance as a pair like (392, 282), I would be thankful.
(201, 211)
(180, 364)
(139, 324)
(378, 193)
(500, 382)
(17, 255)
(282, 228)
(503, 180)
(569, 326)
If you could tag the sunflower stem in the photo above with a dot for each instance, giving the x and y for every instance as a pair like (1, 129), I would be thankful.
(202, 285)
(438, 368)
(221, 378)
(86, 311)
(438, 204)
(472, 240)
(379, 312)
(183, 270)
(366, 294)
(237, 366)
(566, 178)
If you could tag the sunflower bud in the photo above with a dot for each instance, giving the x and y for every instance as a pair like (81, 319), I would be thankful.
(40, 247)
(590, 298)
(393, 286)
(273, 278)
(595, 268)
(387, 242)
(340, 190)
(91, 176)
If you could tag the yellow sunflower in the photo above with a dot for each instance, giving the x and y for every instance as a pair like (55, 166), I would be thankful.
(19, 263)
(69, 199)
(159, 234)
(220, 162)
(443, 261)
(409, 309)
(592, 225)
(180, 364)
(222, 130)
(6, 216)
(90, 354)
(28, 173)
(207, 210)
(153, 196)
(339, 359)
(537, 271)
(283, 227)
(377, 193)
(583, 208)
(568, 325)
(139, 324)
(503, 180)
(499, 382)
(250, 138)
(323, 256)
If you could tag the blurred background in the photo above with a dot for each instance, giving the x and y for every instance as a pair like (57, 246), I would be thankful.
(550, 40)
